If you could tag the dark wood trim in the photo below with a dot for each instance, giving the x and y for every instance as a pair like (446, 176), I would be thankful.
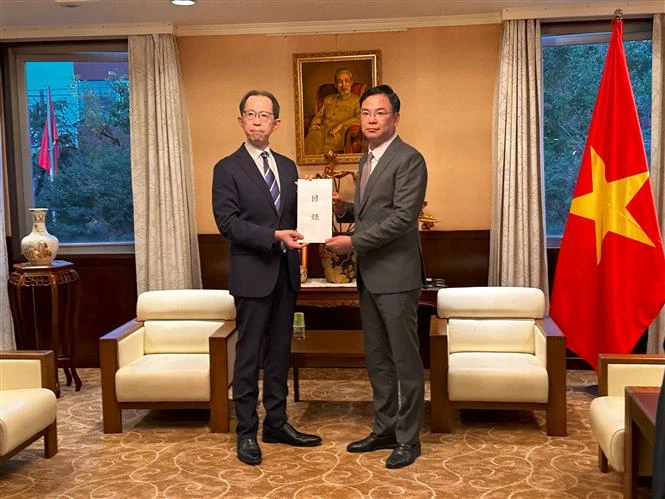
(108, 282)
(461, 257)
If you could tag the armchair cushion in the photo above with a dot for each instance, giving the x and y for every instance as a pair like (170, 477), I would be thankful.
(607, 425)
(23, 413)
(27, 401)
(160, 377)
(487, 377)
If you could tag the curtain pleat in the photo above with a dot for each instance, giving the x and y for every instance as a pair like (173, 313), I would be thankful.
(167, 255)
(517, 230)
(657, 330)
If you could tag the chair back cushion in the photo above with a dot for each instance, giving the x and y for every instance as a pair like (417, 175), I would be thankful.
(178, 336)
(491, 319)
(491, 302)
(619, 376)
(491, 335)
(182, 320)
(179, 304)
(20, 373)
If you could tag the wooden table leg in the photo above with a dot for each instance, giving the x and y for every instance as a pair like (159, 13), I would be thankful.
(631, 453)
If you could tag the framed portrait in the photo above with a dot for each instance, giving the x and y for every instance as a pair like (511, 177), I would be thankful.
(328, 87)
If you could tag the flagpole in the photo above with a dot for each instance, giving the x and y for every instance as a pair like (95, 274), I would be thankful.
(51, 159)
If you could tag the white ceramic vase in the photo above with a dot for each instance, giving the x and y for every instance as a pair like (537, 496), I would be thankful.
(39, 247)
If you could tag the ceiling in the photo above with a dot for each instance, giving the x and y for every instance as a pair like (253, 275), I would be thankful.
(18, 16)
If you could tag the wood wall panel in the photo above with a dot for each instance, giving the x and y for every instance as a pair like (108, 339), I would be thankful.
(460, 257)
(108, 300)
(108, 282)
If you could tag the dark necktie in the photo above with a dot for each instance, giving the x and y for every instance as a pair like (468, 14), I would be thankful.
(365, 175)
(270, 179)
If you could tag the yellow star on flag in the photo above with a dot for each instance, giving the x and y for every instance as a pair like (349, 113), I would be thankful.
(606, 204)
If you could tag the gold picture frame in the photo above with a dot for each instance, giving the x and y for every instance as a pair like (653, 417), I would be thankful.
(314, 76)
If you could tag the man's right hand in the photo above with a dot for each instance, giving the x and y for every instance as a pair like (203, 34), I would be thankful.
(290, 238)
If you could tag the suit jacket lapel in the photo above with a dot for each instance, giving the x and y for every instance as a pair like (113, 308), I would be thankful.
(249, 166)
(379, 169)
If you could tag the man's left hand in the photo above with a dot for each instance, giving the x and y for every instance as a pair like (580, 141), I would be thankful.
(340, 245)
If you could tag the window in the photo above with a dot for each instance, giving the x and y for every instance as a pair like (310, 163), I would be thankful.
(573, 60)
(70, 105)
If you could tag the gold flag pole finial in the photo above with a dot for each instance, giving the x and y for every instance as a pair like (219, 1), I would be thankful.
(618, 15)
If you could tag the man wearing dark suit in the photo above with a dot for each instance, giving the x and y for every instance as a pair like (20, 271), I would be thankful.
(388, 199)
(254, 203)
(658, 476)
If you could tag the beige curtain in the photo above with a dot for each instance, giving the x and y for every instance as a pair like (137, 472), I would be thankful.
(167, 255)
(517, 230)
(657, 329)
(6, 328)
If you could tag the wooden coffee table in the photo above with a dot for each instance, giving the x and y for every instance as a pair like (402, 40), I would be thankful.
(641, 408)
(326, 348)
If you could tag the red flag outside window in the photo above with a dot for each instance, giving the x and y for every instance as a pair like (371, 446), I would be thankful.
(610, 277)
(49, 152)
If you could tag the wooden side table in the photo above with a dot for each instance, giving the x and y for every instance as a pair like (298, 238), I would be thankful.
(34, 288)
(640, 421)
(328, 348)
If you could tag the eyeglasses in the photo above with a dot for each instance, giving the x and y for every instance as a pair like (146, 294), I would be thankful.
(380, 114)
(262, 115)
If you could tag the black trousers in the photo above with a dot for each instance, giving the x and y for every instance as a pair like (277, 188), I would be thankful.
(658, 469)
(264, 327)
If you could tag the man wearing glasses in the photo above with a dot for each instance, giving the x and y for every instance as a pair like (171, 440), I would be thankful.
(254, 203)
(388, 198)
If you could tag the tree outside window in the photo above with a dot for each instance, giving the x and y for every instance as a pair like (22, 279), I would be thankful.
(571, 77)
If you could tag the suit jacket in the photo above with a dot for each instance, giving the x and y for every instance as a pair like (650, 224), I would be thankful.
(246, 216)
(386, 238)
(658, 479)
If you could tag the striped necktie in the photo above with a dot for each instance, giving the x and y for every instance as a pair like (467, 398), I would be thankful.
(270, 179)
(365, 175)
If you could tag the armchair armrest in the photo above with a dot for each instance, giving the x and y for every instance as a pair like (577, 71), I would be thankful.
(555, 347)
(117, 346)
(222, 347)
(438, 345)
(555, 340)
(109, 363)
(28, 375)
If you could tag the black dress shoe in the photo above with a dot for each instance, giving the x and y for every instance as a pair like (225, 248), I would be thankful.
(249, 451)
(403, 455)
(373, 442)
(287, 434)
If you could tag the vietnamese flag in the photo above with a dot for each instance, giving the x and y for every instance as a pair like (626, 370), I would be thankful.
(610, 276)
(49, 153)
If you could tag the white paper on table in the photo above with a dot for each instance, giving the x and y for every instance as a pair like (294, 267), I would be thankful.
(315, 209)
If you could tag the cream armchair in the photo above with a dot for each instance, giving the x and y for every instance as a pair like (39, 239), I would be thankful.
(607, 411)
(177, 353)
(492, 348)
(27, 402)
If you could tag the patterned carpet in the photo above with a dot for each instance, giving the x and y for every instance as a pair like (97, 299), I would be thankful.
(171, 454)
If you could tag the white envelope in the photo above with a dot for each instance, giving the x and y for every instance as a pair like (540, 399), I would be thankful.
(315, 209)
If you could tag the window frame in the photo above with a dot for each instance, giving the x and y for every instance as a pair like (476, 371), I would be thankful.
(561, 33)
(19, 157)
